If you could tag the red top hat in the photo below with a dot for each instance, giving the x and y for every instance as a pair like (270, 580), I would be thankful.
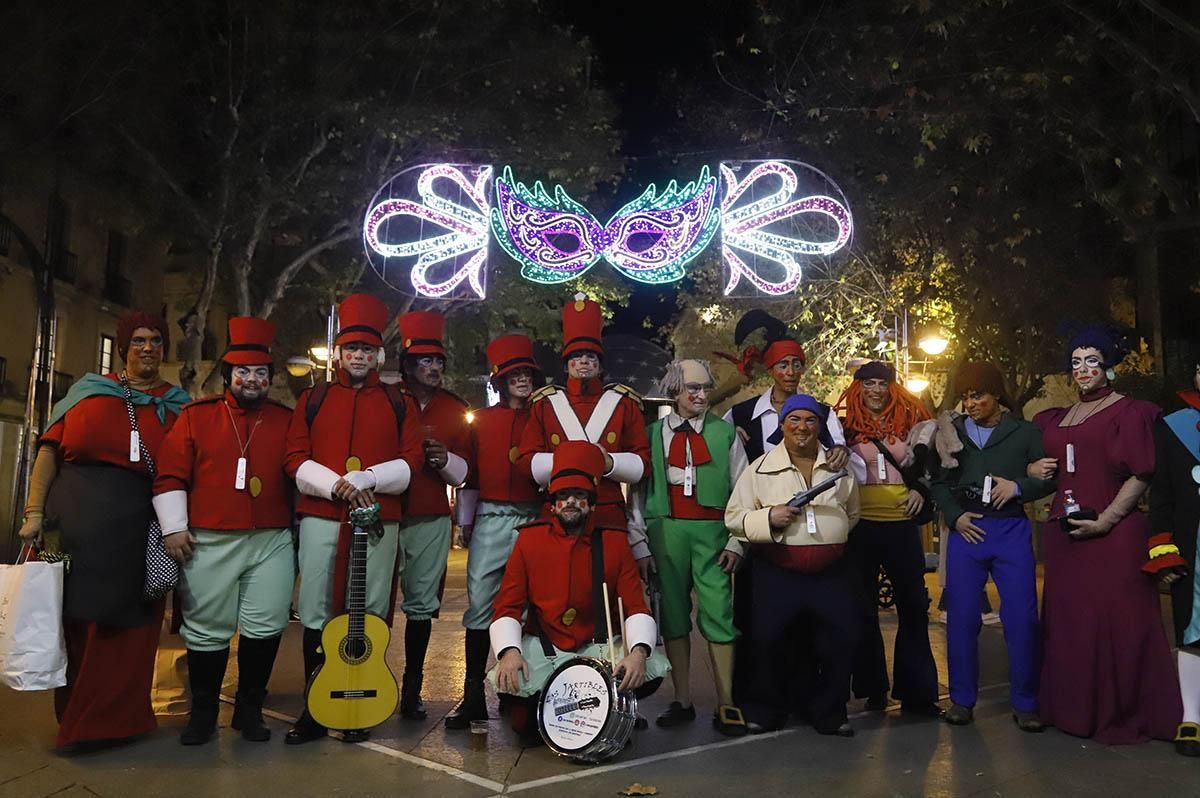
(577, 464)
(582, 325)
(421, 333)
(361, 319)
(250, 341)
(509, 353)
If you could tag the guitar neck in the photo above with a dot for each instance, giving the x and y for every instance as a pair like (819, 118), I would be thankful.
(356, 603)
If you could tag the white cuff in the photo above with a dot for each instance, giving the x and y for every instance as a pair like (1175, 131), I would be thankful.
(757, 526)
(541, 466)
(172, 511)
(639, 628)
(465, 502)
(736, 546)
(361, 480)
(314, 479)
(640, 549)
(505, 633)
(391, 476)
(454, 473)
(627, 467)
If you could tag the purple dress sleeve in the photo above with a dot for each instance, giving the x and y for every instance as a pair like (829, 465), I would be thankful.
(1131, 445)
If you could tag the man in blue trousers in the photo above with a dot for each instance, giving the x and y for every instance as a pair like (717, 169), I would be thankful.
(982, 500)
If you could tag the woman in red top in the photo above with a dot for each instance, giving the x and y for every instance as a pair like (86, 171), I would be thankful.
(91, 484)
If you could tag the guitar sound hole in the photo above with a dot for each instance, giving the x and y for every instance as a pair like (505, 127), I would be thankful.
(355, 649)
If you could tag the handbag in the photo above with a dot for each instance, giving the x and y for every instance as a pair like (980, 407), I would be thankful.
(162, 571)
(33, 649)
(929, 509)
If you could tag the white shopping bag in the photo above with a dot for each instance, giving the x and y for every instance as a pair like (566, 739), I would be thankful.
(33, 651)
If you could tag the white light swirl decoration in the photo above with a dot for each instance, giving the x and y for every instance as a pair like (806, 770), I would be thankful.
(468, 229)
(742, 227)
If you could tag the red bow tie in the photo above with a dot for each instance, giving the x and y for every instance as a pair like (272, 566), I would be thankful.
(685, 434)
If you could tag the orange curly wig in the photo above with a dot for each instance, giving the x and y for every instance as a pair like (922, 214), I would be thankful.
(900, 414)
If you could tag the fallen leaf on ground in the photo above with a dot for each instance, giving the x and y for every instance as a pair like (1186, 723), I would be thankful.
(639, 789)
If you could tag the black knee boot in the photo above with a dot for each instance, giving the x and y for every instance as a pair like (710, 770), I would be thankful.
(307, 729)
(255, 660)
(416, 641)
(473, 705)
(206, 669)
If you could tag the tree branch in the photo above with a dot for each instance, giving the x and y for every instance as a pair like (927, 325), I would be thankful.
(1171, 18)
(298, 263)
(207, 226)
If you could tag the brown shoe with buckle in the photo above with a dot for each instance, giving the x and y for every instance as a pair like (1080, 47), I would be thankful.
(728, 720)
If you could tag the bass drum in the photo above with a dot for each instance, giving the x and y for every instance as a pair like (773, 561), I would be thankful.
(582, 715)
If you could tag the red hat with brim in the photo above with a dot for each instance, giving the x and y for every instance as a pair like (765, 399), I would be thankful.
(778, 350)
(509, 353)
(361, 319)
(583, 325)
(421, 333)
(577, 465)
(250, 341)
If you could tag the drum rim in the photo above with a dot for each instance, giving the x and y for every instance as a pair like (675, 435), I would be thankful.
(601, 667)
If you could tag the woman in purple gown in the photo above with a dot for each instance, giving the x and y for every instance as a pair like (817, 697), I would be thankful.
(1107, 670)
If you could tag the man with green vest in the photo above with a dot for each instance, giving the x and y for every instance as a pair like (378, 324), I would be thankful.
(695, 459)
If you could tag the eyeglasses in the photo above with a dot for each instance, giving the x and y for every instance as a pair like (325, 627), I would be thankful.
(695, 388)
(138, 342)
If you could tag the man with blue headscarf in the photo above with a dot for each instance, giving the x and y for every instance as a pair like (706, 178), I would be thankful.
(799, 571)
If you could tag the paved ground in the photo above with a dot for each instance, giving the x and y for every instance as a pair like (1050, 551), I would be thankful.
(891, 756)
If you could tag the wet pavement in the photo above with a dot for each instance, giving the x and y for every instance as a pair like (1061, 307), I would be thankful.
(892, 755)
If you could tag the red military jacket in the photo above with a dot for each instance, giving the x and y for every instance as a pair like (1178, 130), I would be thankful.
(444, 418)
(353, 423)
(623, 432)
(200, 456)
(492, 454)
(550, 572)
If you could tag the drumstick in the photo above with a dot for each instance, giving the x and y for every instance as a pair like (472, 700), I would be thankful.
(621, 618)
(608, 627)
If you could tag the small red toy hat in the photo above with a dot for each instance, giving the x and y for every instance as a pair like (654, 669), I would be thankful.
(577, 464)
(361, 319)
(250, 341)
(421, 333)
(582, 324)
(509, 353)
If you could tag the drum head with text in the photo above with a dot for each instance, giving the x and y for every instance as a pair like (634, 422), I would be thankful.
(575, 706)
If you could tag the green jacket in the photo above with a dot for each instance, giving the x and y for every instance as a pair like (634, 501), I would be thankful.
(1013, 445)
(712, 478)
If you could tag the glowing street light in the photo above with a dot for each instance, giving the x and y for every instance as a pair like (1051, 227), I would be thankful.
(320, 353)
(916, 384)
(933, 344)
(299, 366)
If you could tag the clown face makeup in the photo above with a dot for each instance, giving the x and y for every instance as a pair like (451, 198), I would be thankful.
(518, 384)
(249, 384)
(358, 359)
(800, 431)
(786, 374)
(145, 353)
(583, 365)
(1087, 368)
(692, 400)
(425, 370)
(571, 507)
(1196, 378)
(875, 394)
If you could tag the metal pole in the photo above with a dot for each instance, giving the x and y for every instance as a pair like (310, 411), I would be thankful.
(330, 330)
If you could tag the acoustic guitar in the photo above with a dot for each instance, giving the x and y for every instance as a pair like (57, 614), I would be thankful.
(354, 688)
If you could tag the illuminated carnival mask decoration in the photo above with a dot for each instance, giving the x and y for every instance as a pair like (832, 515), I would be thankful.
(773, 217)
(555, 239)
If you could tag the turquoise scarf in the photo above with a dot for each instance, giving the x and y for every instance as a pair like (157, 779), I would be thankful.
(95, 385)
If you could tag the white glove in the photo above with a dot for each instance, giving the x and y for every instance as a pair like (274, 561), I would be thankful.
(361, 480)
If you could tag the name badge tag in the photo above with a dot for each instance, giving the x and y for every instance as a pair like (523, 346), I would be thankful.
(1070, 458)
(135, 446)
(881, 467)
(688, 480)
(987, 489)
(810, 516)
(239, 481)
